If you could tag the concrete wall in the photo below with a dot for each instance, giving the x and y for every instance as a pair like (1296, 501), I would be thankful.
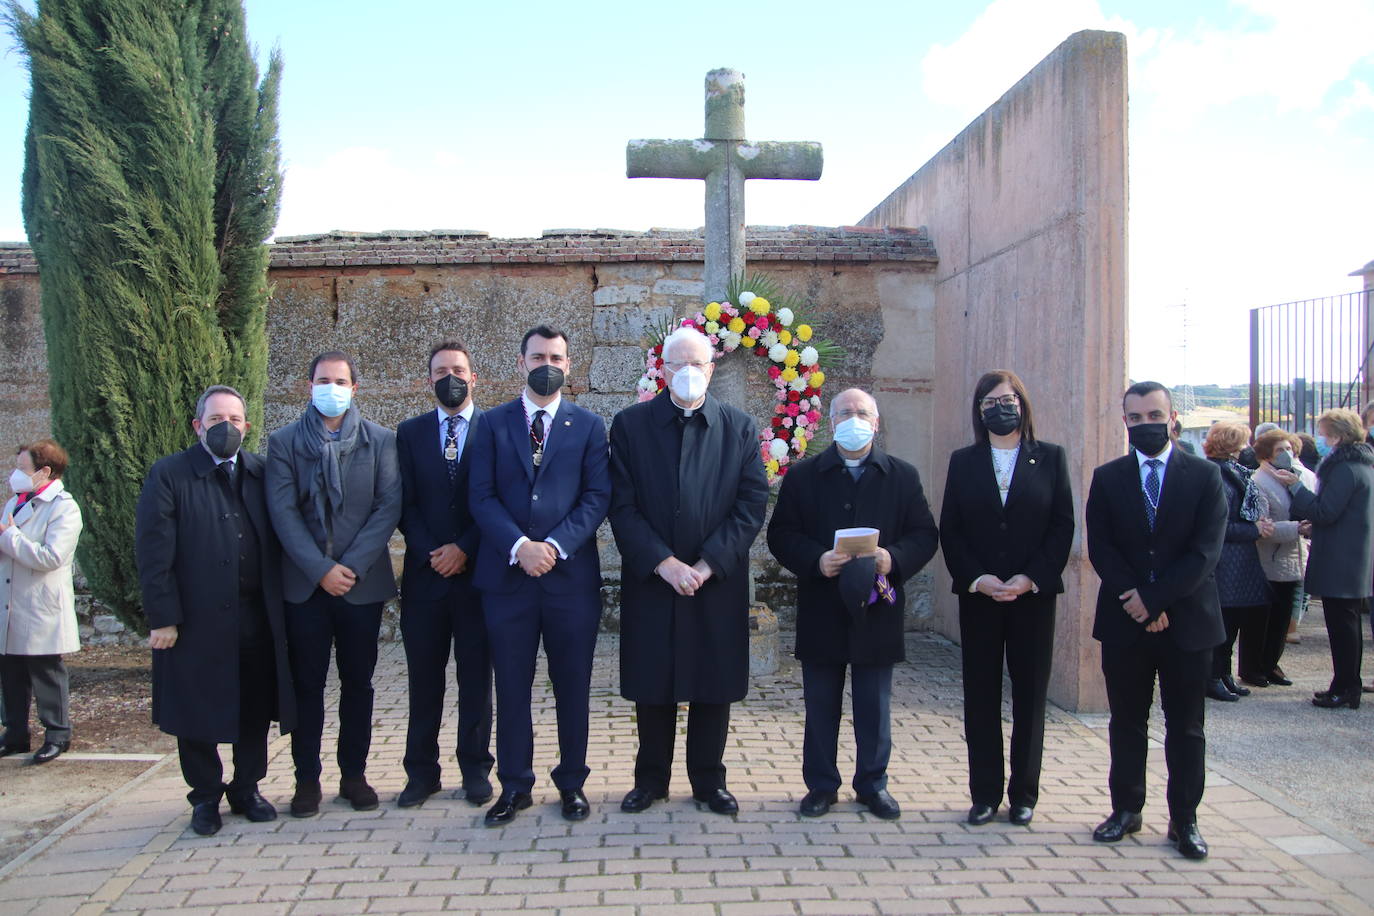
(1028, 208)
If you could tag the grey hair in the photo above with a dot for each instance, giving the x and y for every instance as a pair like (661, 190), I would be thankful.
(1264, 428)
(846, 391)
(682, 335)
(214, 390)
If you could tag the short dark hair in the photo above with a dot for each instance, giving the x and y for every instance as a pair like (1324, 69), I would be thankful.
(334, 356)
(213, 390)
(1140, 389)
(544, 331)
(46, 453)
(991, 380)
(455, 345)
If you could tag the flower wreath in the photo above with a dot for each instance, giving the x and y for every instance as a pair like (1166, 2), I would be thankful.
(782, 335)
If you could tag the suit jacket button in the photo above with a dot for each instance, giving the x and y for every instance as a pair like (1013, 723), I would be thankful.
(1003, 526)
(847, 506)
(535, 497)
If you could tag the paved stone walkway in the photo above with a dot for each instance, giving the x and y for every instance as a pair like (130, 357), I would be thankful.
(135, 852)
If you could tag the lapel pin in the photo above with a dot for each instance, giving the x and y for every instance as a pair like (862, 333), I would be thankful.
(1032, 461)
(567, 422)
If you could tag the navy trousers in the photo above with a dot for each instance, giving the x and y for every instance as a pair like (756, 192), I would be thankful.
(823, 687)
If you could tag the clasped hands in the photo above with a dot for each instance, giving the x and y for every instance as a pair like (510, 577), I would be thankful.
(1131, 603)
(1010, 590)
(831, 562)
(681, 578)
(448, 560)
(536, 557)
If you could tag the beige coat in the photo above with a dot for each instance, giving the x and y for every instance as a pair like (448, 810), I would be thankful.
(1283, 555)
(37, 606)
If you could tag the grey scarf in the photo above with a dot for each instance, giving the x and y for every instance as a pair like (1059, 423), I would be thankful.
(313, 442)
(1254, 505)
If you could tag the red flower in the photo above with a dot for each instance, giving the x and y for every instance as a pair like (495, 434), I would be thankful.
(794, 395)
(773, 372)
(658, 363)
(810, 392)
(784, 434)
(793, 410)
(776, 421)
(761, 322)
(658, 350)
(761, 350)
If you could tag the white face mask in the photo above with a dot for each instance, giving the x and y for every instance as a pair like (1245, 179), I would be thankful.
(689, 384)
(20, 482)
(854, 434)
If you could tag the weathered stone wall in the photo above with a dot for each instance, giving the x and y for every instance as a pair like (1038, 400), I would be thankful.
(1028, 206)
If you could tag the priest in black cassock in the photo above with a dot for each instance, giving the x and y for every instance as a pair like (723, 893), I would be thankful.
(688, 495)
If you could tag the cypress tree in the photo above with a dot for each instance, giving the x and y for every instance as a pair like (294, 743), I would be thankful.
(146, 209)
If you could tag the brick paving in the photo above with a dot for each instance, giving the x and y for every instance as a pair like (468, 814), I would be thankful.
(134, 852)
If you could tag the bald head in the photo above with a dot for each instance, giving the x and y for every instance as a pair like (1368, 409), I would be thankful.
(853, 402)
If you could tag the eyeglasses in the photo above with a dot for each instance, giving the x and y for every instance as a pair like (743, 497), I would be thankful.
(1006, 400)
(678, 367)
(849, 413)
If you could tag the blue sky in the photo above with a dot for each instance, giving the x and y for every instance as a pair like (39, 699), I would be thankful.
(1252, 126)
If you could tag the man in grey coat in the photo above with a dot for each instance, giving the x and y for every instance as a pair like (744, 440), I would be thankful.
(334, 494)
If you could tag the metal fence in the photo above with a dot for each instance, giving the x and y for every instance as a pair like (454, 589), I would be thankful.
(1310, 356)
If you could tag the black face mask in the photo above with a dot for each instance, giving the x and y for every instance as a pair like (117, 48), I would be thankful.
(545, 380)
(451, 391)
(223, 440)
(1148, 438)
(1001, 419)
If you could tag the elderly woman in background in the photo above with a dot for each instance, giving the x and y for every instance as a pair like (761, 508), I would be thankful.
(1341, 566)
(1283, 556)
(39, 527)
(1241, 583)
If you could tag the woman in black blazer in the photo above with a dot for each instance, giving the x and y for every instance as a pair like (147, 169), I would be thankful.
(1006, 526)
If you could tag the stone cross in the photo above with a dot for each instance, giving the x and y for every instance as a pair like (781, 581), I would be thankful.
(724, 159)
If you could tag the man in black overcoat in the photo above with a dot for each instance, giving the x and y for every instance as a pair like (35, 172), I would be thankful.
(850, 608)
(1156, 522)
(688, 496)
(210, 569)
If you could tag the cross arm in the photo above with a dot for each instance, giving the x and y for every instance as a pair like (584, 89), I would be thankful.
(768, 159)
(672, 158)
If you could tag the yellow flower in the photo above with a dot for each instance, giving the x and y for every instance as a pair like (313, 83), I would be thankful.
(792, 358)
(712, 327)
(817, 379)
(784, 337)
(803, 332)
(801, 443)
(759, 306)
(736, 325)
(788, 374)
(772, 467)
(712, 311)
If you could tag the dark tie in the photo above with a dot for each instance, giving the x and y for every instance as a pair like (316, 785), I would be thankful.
(226, 473)
(537, 436)
(451, 448)
(1152, 490)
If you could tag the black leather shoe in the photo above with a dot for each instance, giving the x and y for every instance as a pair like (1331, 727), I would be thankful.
(1216, 690)
(1117, 826)
(882, 805)
(1188, 840)
(51, 750)
(1278, 677)
(306, 801)
(358, 793)
(11, 744)
(477, 792)
(415, 793)
(720, 801)
(503, 812)
(1232, 686)
(254, 807)
(1255, 680)
(817, 802)
(205, 819)
(979, 815)
(575, 805)
(1337, 700)
(640, 799)
(1021, 815)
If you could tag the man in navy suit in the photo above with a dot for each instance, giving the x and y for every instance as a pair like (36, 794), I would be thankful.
(539, 487)
(439, 605)
(1156, 522)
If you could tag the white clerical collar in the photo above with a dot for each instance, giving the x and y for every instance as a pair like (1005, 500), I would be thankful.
(465, 413)
(550, 410)
(854, 462)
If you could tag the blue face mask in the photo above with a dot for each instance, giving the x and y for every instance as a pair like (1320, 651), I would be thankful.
(1323, 447)
(331, 400)
(854, 434)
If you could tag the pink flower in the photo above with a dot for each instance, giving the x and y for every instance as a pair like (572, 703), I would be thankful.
(761, 323)
(767, 433)
(754, 333)
(715, 341)
(793, 410)
(813, 417)
(801, 421)
(774, 371)
(787, 422)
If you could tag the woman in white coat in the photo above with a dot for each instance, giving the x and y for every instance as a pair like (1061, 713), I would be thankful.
(39, 527)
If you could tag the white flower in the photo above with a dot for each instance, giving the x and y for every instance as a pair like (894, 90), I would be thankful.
(777, 353)
(731, 340)
(778, 449)
(809, 356)
(797, 384)
(645, 384)
(768, 338)
(746, 298)
(712, 327)
(785, 316)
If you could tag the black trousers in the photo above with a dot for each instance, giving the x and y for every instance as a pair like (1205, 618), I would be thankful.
(1261, 646)
(429, 629)
(313, 628)
(38, 679)
(708, 725)
(823, 689)
(1022, 632)
(1238, 620)
(1347, 642)
(1130, 672)
(201, 766)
